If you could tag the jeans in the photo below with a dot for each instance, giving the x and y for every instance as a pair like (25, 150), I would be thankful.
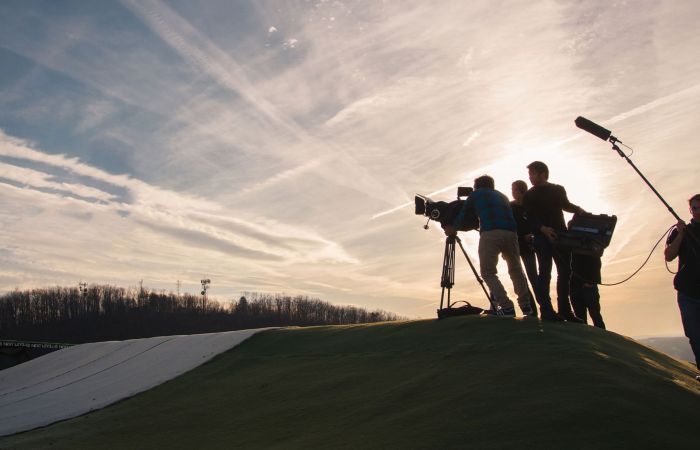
(502, 242)
(546, 253)
(530, 263)
(586, 299)
(690, 316)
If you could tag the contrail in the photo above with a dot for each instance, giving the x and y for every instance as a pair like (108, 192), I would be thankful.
(196, 48)
(404, 205)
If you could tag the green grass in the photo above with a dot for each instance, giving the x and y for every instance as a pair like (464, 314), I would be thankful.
(472, 382)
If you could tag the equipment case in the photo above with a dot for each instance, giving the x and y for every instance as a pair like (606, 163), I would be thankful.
(588, 234)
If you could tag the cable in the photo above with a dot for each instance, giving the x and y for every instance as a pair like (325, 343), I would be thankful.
(632, 150)
(645, 261)
(667, 269)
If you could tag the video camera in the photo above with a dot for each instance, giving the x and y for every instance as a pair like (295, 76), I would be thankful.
(445, 212)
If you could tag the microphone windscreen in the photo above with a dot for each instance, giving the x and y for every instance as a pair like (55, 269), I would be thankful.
(592, 128)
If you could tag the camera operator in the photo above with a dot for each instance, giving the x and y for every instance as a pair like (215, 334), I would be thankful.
(687, 280)
(544, 205)
(497, 229)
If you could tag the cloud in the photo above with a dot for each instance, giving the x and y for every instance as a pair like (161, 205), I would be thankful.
(20, 176)
(193, 220)
(198, 240)
(183, 139)
(207, 57)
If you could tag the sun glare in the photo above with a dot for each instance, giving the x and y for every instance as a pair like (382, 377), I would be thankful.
(578, 176)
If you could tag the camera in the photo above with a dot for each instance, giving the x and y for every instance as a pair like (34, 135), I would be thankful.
(445, 212)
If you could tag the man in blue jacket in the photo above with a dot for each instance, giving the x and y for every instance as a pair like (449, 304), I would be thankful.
(497, 228)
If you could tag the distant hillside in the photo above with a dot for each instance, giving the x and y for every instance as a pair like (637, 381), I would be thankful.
(468, 382)
(676, 346)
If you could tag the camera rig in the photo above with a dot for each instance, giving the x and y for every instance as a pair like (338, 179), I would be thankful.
(445, 213)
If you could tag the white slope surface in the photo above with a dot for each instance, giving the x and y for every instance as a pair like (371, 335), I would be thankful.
(76, 380)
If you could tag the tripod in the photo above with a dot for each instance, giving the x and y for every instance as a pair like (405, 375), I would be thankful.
(448, 271)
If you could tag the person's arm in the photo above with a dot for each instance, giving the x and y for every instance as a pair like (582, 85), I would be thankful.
(549, 232)
(673, 246)
(568, 206)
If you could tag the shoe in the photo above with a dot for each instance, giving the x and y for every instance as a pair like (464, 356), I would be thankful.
(501, 312)
(551, 316)
(527, 311)
(571, 317)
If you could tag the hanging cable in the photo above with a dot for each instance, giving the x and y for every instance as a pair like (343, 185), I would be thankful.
(645, 261)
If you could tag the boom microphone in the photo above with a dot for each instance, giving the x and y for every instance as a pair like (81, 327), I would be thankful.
(594, 129)
(597, 130)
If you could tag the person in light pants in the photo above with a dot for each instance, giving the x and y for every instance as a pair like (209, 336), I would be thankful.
(497, 228)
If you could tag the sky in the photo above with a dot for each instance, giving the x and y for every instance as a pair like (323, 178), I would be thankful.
(276, 147)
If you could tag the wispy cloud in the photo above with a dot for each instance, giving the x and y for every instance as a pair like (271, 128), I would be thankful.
(278, 145)
(166, 212)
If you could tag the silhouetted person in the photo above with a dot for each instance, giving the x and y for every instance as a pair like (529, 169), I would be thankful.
(525, 236)
(687, 280)
(497, 236)
(544, 205)
(585, 297)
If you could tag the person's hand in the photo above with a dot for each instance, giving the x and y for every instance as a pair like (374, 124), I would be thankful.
(680, 226)
(529, 238)
(449, 230)
(549, 233)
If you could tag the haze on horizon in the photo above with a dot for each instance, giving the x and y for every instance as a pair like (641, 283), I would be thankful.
(277, 146)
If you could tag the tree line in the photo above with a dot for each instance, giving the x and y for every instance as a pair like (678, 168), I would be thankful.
(103, 312)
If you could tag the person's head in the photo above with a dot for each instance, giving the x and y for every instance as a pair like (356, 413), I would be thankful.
(694, 205)
(538, 173)
(484, 181)
(518, 189)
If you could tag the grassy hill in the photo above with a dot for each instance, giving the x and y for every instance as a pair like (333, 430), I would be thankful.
(471, 382)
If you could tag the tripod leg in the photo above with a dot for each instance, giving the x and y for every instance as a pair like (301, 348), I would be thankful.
(448, 271)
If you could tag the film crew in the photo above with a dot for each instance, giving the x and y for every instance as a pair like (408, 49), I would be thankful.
(525, 237)
(544, 205)
(497, 236)
(687, 279)
(585, 297)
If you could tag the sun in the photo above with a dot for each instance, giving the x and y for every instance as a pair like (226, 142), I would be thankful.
(579, 176)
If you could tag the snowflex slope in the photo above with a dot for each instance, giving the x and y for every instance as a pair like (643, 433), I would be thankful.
(465, 382)
(79, 379)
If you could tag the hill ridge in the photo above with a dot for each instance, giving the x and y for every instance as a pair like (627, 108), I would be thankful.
(477, 382)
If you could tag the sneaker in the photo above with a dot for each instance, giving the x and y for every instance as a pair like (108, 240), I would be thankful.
(527, 311)
(501, 312)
